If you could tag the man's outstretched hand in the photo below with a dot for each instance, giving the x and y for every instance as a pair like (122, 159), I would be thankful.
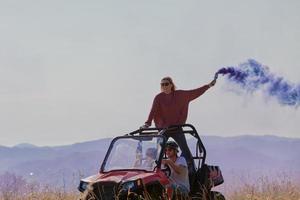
(211, 84)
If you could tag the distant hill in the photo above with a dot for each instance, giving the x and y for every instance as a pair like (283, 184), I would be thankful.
(64, 165)
(25, 145)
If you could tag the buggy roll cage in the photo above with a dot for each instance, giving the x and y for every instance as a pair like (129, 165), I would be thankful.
(183, 128)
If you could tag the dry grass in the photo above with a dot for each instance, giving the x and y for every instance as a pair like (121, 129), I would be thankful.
(266, 189)
(16, 188)
(54, 195)
(45, 194)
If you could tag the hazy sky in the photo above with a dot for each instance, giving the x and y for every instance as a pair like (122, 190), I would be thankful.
(72, 71)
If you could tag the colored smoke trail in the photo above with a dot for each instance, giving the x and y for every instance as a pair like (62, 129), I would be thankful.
(252, 76)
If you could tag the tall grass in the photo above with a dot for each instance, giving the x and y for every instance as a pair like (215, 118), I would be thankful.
(13, 187)
(267, 189)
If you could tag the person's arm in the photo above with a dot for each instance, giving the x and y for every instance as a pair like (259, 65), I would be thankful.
(152, 112)
(177, 168)
(137, 162)
(193, 94)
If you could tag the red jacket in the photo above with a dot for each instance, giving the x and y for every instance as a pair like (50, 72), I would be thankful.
(172, 109)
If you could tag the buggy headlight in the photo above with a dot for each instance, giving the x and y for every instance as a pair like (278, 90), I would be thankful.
(132, 185)
(129, 185)
(83, 186)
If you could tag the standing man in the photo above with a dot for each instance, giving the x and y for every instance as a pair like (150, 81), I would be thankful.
(170, 107)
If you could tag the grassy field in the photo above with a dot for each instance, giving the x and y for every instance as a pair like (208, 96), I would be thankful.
(263, 189)
(41, 195)
(269, 192)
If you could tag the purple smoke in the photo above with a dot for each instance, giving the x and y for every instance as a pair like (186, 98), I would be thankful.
(252, 76)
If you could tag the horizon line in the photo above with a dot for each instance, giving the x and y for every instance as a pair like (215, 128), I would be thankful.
(92, 140)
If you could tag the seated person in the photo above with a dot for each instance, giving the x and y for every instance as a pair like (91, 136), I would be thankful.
(179, 169)
(149, 161)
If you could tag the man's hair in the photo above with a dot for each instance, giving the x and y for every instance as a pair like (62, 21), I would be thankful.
(172, 145)
(169, 79)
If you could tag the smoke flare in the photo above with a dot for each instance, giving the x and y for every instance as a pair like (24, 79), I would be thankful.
(252, 76)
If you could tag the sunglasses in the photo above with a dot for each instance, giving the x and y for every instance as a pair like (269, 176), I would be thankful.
(168, 149)
(165, 84)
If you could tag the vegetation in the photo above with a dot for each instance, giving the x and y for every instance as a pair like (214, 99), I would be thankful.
(13, 187)
(266, 189)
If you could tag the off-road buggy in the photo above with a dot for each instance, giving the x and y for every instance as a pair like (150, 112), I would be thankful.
(132, 169)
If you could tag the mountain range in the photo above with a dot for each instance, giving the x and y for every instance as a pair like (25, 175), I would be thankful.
(239, 156)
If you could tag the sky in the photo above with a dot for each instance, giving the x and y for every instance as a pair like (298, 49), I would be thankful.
(73, 71)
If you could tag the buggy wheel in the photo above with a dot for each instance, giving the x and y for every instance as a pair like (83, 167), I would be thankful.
(89, 196)
(212, 195)
(178, 195)
(197, 196)
(134, 196)
(216, 196)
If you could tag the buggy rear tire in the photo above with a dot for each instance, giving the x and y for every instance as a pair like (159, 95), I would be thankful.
(212, 195)
(216, 195)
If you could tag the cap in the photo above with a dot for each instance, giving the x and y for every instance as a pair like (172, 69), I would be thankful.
(172, 145)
